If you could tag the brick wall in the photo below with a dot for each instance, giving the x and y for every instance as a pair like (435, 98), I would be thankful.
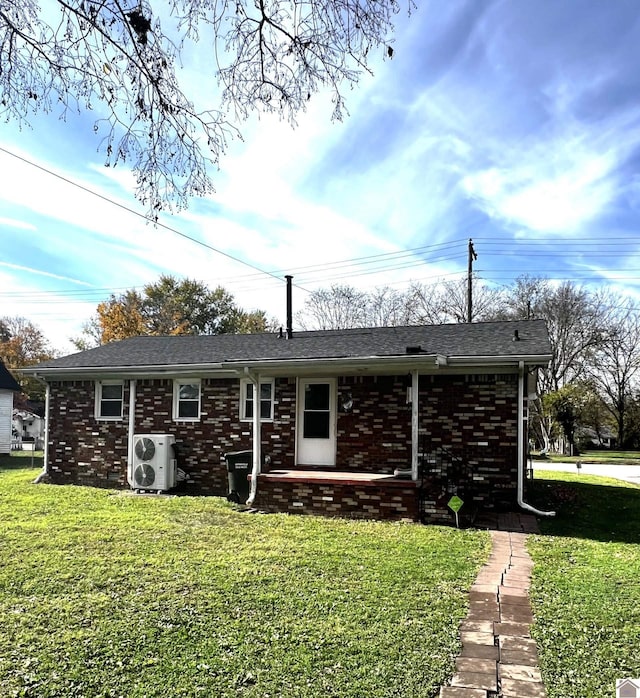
(395, 501)
(376, 435)
(474, 417)
(84, 450)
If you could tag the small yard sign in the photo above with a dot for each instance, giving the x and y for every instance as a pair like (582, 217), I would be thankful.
(455, 504)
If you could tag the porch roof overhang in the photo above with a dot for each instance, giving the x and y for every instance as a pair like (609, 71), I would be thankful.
(373, 365)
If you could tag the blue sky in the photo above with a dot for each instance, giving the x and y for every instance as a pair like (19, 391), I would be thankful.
(515, 123)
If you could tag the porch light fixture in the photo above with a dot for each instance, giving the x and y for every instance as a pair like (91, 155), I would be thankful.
(347, 403)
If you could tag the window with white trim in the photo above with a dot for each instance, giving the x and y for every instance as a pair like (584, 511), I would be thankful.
(186, 399)
(109, 399)
(266, 399)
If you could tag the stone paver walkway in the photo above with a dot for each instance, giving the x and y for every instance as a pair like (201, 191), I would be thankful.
(499, 657)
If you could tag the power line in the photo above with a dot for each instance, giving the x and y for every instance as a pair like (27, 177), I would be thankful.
(357, 267)
(141, 215)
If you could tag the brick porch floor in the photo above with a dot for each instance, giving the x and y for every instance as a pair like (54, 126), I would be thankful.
(338, 493)
(337, 476)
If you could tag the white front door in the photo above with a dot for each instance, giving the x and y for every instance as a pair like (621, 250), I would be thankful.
(316, 421)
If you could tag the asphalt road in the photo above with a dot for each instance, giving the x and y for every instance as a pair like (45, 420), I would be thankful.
(630, 473)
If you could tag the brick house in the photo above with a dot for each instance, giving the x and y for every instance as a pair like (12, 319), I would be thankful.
(377, 423)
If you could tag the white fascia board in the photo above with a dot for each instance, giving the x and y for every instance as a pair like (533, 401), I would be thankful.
(365, 364)
(371, 364)
(530, 360)
(89, 372)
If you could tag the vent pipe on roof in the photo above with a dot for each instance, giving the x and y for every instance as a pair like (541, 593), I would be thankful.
(289, 278)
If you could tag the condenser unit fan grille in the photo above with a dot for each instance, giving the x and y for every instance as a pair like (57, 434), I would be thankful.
(144, 475)
(145, 448)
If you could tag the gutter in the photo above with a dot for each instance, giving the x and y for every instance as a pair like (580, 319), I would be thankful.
(257, 435)
(93, 372)
(45, 460)
(520, 495)
(436, 362)
(415, 403)
(132, 424)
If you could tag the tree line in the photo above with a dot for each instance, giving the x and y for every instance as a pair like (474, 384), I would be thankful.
(592, 385)
(590, 389)
(170, 306)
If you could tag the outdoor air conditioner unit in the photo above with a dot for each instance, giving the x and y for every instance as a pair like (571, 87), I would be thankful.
(154, 463)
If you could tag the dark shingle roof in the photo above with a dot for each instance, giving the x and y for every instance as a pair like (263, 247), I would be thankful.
(491, 339)
(7, 381)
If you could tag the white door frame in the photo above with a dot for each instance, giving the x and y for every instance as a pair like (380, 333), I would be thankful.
(316, 451)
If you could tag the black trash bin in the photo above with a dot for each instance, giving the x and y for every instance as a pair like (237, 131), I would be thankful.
(239, 464)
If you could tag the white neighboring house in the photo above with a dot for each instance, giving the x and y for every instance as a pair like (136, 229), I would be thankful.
(28, 426)
(8, 386)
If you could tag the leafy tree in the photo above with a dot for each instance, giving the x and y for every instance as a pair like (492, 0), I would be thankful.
(632, 421)
(122, 57)
(169, 307)
(595, 415)
(253, 322)
(23, 344)
(121, 317)
(565, 406)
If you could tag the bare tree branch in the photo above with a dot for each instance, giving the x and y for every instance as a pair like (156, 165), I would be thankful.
(115, 57)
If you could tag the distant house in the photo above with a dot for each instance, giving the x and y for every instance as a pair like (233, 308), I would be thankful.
(604, 437)
(8, 386)
(385, 422)
(28, 427)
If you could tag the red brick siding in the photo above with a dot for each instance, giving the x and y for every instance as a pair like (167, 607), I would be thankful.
(89, 451)
(476, 419)
(461, 413)
(339, 499)
(83, 450)
(376, 435)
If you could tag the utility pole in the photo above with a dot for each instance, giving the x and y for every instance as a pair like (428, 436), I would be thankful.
(472, 257)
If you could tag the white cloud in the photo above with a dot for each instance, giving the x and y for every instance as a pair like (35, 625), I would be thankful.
(559, 186)
(60, 316)
(467, 132)
(14, 223)
(40, 272)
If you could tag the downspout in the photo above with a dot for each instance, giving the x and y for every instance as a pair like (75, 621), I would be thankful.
(415, 394)
(521, 444)
(45, 455)
(132, 426)
(257, 435)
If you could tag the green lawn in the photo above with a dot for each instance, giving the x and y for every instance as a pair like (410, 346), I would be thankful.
(586, 584)
(103, 593)
(613, 457)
